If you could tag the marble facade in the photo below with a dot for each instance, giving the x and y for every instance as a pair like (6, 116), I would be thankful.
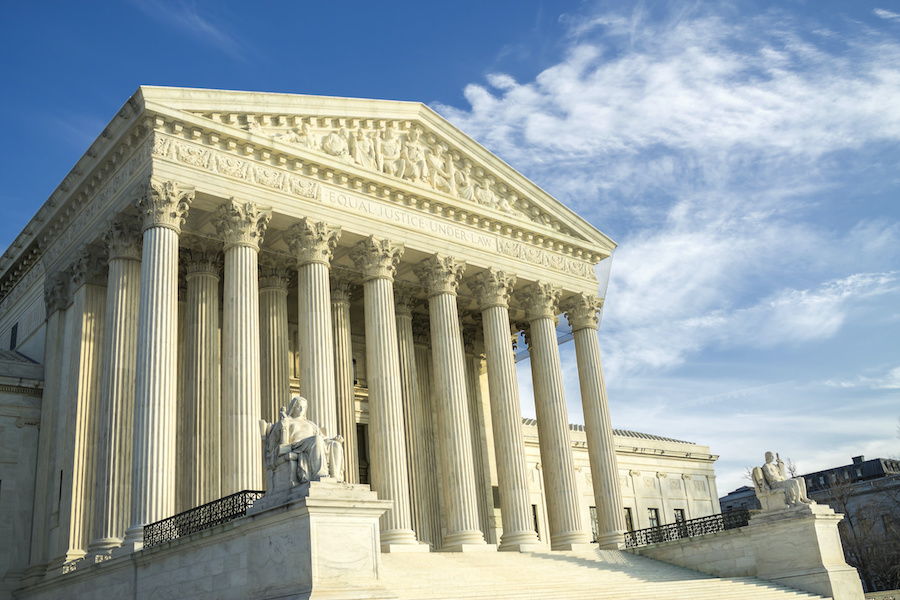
(214, 251)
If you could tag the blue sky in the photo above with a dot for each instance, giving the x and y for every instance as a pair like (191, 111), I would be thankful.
(744, 155)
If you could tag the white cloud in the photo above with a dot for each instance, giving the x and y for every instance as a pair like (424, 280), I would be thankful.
(885, 380)
(886, 14)
(185, 16)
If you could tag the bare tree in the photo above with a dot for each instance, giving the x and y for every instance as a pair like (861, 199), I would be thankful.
(870, 531)
(793, 468)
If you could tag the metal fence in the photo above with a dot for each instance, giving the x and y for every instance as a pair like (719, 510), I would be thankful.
(197, 519)
(685, 529)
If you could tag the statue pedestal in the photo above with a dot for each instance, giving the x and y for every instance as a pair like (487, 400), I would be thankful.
(800, 547)
(324, 541)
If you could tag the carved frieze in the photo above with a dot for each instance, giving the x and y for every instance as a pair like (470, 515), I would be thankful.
(404, 150)
(539, 256)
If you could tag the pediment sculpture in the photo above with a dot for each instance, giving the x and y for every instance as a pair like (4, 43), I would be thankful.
(297, 451)
(774, 489)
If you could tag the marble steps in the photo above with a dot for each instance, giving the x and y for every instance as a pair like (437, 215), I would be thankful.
(595, 575)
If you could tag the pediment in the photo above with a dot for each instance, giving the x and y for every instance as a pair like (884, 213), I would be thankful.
(405, 143)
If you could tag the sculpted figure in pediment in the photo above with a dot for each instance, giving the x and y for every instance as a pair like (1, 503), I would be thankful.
(336, 144)
(415, 167)
(484, 193)
(388, 151)
(440, 170)
(301, 136)
(363, 150)
(465, 187)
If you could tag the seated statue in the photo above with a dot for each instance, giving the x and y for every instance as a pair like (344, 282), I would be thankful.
(299, 442)
(774, 489)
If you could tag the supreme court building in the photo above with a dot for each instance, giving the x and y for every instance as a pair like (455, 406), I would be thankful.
(215, 252)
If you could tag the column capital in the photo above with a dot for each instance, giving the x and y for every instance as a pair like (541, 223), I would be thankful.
(200, 255)
(343, 284)
(275, 271)
(164, 204)
(440, 274)
(56, 291)
(404, 299)
(377, 258)
(123, 238)
(540, 300)
(581, 311)
(88, 267)
(472, 343)
(313, 241)
(241, 223)
(492, 287)
(421, 330)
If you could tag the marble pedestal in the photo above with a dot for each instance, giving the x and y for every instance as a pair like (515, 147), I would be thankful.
(323, 543)
(800, 547)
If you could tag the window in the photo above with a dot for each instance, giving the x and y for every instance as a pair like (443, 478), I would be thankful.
(534, 516)
(679, 515)
(13, 336)
(362, 446)
(653, 516)
(629, 522)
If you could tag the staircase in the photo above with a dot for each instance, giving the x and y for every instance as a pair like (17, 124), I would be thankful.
(592, 574)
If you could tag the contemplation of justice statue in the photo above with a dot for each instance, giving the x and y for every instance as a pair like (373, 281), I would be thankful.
(774, 489)
(297, 451)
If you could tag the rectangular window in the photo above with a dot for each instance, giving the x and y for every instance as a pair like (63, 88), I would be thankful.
(362, 445)
(534, 516)
(629, 522)
(653, 516)
(679, 515)
(595, 526)
(13, 336)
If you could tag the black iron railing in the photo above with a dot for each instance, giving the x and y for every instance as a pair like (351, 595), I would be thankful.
(685, 529)
(203, 517)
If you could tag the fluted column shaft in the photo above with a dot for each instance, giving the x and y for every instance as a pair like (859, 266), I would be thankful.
(377, 259)
(441, 276)
(493, 288)
(55, 300)
(313, 244)
(116, 414)
(424, 369)
(274, 338)
(415, 430)
(582, 315)
(242, 226)
(540, 302)
(343, 374)
(79, 422)
(202, 384)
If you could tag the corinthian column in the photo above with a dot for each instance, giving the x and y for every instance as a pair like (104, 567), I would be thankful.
(415, 432)
(163, 207)
(274, 277)
(242, 227)
(441, 276)
(116, 414)
(581, 311)
(201, 449)
(77, 430)
(433, 498)
(377, 259)
(492, 288)
(342, 284)
(540, 302)
(313, 243)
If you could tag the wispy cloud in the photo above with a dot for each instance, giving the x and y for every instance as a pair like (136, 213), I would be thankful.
(186, 17)
(886, 14)
(884, 380)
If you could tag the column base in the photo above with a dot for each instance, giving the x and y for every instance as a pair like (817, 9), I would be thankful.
(65, 563)
(483, 547)
(34, 574)
(403, 548)
(399, 537)
(134, 541)
(611, 541)
(515, 540)
(101, 549)
(467, 537)
(574, 547)
(524, 547)
(568, 540)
